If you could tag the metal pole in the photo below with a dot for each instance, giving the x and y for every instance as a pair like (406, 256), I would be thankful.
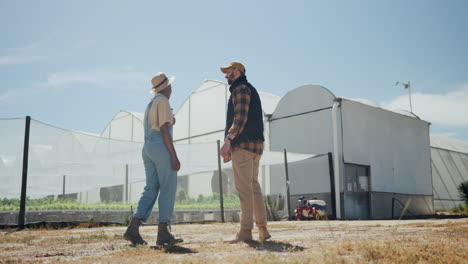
(221, 202)
(332, 183)
(22, 212)
(133, 117)
(126, 183)
(189, 118)
(409, 91)
(287, 182)
(63, 188)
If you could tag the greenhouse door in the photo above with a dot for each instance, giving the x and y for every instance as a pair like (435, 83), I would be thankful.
(356, 191)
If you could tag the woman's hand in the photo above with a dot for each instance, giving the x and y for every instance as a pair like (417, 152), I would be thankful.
(170, 146)
(175, 164)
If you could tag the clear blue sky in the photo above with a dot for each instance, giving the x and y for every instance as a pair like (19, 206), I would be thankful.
(75, 64)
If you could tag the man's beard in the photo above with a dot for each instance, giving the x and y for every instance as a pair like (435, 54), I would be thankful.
(230, 78)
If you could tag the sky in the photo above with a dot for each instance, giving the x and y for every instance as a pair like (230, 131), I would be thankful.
(75, 64)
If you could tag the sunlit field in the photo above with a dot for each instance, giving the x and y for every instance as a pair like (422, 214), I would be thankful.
(385, 241)
(182, 202)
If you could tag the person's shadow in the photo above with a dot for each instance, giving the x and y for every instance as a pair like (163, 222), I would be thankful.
(274, 246)
(174, 249)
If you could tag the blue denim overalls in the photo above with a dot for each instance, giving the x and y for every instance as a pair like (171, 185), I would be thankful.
(160, 177)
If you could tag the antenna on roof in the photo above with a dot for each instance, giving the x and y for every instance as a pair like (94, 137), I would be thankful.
(407, 86)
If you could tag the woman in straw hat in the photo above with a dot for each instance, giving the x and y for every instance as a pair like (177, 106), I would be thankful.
(161, 165)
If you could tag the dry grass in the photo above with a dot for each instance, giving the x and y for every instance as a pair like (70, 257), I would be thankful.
(412, 241)
(394, 252)
(12, 238)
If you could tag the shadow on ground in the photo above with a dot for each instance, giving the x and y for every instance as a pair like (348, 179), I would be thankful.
(174, 249)
(275, 246)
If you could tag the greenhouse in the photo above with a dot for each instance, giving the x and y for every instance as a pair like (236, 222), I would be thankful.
(380, 157)
(449, 168)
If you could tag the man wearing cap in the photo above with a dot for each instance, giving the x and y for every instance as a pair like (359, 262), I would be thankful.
(244, 145)
(161, 165)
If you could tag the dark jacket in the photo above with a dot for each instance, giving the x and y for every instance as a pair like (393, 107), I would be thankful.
(253, 128)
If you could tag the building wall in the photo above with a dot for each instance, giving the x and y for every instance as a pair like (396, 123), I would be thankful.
(382, 205)
(396, 147)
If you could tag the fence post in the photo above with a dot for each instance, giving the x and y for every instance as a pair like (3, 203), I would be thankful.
(287, 182)
(332, 183)
(63, 188)
(22, 212)
(220, 182)
(126, 183)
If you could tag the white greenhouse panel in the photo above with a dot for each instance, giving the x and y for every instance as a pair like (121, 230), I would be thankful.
(182, 125)
(207, 111)
(309, 133)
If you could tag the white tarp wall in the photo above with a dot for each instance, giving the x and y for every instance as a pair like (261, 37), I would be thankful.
(449, 169)
(86, 161)
(11, 156)
(202, 116)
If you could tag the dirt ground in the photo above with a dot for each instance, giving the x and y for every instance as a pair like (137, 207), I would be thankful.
(386, 241)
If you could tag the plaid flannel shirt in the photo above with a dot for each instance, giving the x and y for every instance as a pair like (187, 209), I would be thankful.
(241, 100)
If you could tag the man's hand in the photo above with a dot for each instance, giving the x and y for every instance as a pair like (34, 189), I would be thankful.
(226, 151)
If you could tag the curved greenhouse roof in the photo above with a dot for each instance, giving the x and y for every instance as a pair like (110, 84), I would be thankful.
(125, 125)
(444, 142)
(319, 97)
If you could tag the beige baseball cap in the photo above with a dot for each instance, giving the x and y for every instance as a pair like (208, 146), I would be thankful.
(234, 64)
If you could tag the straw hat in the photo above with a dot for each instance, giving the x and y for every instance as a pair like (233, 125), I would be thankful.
(161, 81)
(234, 64)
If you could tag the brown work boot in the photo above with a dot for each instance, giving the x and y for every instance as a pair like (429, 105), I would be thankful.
(165, 237)
(132, 233)
(244, 235)
(263, 234)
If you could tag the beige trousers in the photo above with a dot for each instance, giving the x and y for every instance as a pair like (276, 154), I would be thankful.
(245, 165)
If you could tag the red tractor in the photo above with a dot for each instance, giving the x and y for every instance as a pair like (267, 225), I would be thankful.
(310, 209)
